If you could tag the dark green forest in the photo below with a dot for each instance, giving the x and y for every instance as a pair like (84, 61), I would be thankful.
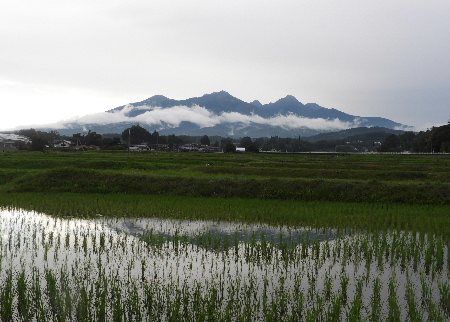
(434, 140)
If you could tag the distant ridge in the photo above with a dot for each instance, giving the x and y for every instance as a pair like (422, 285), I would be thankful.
(376, 133)
(222, 114)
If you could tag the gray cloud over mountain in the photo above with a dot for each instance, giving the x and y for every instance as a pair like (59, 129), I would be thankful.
(173, 116)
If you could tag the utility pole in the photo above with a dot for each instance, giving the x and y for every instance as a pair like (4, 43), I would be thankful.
(129, 139)
(431, 143)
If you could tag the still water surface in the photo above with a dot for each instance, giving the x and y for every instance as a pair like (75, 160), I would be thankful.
(252, 265)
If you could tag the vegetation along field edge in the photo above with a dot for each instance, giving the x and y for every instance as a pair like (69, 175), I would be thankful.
(345, 215)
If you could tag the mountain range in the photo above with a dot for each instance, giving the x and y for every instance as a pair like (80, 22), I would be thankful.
(222, 114)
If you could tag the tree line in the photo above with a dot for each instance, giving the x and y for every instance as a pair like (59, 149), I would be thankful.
(434, 140)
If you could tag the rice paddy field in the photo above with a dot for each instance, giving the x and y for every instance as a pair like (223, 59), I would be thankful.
(224, 237)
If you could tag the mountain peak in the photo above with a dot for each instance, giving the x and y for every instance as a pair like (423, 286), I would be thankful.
(154, 100)
(256, 103)
(158, 97)
(218, 95)
(288, 99)
(286, 103)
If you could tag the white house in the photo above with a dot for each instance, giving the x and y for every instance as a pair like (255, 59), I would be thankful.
(139, 147)
(189, 147)
(62, 144)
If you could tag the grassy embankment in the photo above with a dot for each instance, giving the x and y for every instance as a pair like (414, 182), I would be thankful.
(360, 191)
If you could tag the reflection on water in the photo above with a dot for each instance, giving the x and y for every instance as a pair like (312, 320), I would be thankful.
(168, 229)
(154, 269)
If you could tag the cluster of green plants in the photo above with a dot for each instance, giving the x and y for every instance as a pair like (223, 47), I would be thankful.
(340, 178)
(56, 269)
(362, 216)
(383, 255)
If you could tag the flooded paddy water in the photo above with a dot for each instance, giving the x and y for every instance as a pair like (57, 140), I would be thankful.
(55, 269)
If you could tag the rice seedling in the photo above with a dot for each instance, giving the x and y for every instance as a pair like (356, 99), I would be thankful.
(444, 289)
(394, 312)
(119, 269)
(7, 297)
(375, 301)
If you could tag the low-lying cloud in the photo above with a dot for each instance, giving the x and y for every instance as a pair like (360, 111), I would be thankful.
(172, 117)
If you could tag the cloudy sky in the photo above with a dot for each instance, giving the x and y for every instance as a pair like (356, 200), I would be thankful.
(65, 58)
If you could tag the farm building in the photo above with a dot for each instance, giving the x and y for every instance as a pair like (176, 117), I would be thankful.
(62, 144)
(139, 147)
(7, 145)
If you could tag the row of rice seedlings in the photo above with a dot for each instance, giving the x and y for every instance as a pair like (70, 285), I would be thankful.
(82, 271)
(375, 216)
(260, 249)
(165, 305)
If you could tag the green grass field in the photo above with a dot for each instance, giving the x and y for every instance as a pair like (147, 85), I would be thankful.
(384, 191)
(350, 237)
(350, 178)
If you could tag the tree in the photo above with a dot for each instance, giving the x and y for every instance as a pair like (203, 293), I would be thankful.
(138, 134)
(245, 141)
(38, 143)
(32, 134)
(38, 139)
(391, 144)
(174, 141)
(111, 143)
(205, 140)
(230, 148)
(154, 138)
(224, 142)
(406, 140)
(162, 139)
(92, 138)
(420, 143)
(252, 148)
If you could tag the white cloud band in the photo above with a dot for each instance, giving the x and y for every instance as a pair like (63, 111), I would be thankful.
(173, 116)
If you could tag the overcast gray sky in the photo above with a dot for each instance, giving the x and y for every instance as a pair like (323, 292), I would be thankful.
(61, 58)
